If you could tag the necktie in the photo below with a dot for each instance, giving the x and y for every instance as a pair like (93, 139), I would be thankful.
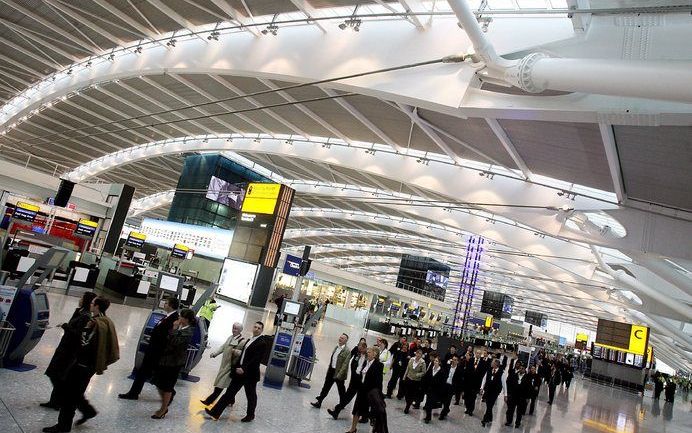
(332, 358)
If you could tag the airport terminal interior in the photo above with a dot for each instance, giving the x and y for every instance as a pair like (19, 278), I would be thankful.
(346, 215)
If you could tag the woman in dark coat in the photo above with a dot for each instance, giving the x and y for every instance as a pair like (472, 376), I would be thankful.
(434, 381)
(173, 359)
(66, 353)
(372, 376)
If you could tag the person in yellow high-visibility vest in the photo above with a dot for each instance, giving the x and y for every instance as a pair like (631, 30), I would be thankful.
(207, 310)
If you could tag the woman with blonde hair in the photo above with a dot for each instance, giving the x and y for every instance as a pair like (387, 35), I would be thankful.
(371, 380)
(230, 353)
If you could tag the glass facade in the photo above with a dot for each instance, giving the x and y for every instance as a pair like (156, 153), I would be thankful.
(190, 205)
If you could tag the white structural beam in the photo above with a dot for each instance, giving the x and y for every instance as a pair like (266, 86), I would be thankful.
(412, 113)
(143, 30)
(172, 14)
(364, 120)
(309, 12)
(501, 135)
(228, 9)
(613, 158)
(305, 110)
(461, 185)
(415, 7)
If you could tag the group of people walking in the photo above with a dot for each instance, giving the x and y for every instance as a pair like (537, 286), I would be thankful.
(427, 380)
(90, 344)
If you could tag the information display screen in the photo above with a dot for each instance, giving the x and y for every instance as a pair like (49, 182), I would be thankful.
(86, 228)
(225, 193)
(291, 308)
(261, 198)
(237, 279)
(135, 240)
(437, 279)
(25, 211)
(205, 241)
(622, 336)
(180, 251)
(169, 283)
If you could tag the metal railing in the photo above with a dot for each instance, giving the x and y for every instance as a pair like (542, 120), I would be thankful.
(6, 331)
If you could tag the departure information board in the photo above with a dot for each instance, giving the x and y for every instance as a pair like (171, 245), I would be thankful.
(622, 336)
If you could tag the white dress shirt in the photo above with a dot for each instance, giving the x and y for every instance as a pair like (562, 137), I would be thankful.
(450, 376)
(366, 367)
(249, 342)
(335, 355)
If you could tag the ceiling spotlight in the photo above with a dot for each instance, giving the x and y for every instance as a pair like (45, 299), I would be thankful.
(352, 23)
(69, 71)
(171, 43)
(271, 28)
(326, 145)
(213, 36)
(138, 50)
(111, 56)
(88, 64)
(343, 26)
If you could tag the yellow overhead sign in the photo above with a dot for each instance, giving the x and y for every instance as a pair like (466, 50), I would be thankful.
(489, 321)
(582, 337)
(261, 198)
(136, 235)
(88, 223)
(181, 247)
(28, 206)
(638, 339)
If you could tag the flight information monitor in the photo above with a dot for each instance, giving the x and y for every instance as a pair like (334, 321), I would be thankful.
(622, 336)
(25, 212)
(86, 228)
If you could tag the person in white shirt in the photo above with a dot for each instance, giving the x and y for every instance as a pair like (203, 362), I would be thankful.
(337, 371)
(385, 355)
(230, 352)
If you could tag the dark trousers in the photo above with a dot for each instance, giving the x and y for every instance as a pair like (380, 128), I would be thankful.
(432, 401)
(457, 394)
(397, 376)
(568, 381)
(350, 393)
(328, 382)
(489, 404)
(73, 396)
(532, 403)
(228, 397)
(56, 396)
(518, 405)
(144, 373)
(470, 400)
(551, 393)
(448, 392)
(414, 392)
(214, 395)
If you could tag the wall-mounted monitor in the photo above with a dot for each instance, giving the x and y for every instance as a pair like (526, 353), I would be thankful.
(436, 278)
(291, 307)
(226, 193)
(237, 279)
(25, 211)
(170, 282)
(180, 251)
(86, 228)
(205, 241)
(135, 240)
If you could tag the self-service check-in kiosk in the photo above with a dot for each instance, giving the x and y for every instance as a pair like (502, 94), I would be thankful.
(173, 284)
(282, 346)
(29, 312)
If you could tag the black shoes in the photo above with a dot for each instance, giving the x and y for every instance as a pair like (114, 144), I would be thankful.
(86, 418)
(517, 425)
(247, 418)
(442, 417)
(161, 416)
(508, 424)
(427, 420)
(363, 420)
(206, 402)
(56, 429)
(334, 413)
(316, 404)
(128, 396)
(211, 414)
(50, 405)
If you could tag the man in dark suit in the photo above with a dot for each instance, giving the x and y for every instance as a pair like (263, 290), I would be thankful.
(492, 387)
(453, 376)
(399, 351)
(535, 387)
(357, 363)
(157, 343)
(473, 375)
(337, 371)
(518, 391)
(245, 375)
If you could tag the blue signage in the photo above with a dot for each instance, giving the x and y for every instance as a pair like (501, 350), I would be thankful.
(292, 265)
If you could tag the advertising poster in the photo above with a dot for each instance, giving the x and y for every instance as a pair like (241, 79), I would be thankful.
(6, 297)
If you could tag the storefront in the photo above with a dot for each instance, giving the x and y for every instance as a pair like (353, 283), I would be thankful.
(319, 291)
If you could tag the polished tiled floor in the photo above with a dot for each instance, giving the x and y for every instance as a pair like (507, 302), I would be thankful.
(587, 407)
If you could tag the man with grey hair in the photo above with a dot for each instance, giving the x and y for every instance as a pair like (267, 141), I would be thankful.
(231, 352)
